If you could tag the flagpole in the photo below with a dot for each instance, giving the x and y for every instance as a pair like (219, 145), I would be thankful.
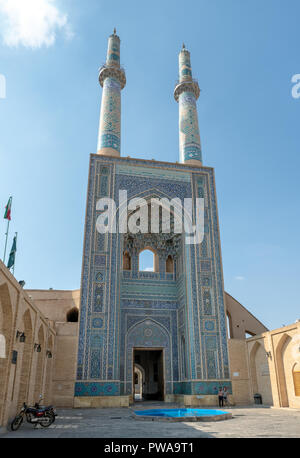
(8, 221)
(15, 255)
(6, 241)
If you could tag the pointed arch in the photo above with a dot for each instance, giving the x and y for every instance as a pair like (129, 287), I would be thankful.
(279, 353)
(143, 257)
(147, 334)
(48, 370)
(126, 261)
(26, 358)
(39, 367)
(253, 372)
(296, 378)
(170, 264)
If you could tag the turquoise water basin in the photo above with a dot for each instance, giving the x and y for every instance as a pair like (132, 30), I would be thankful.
(183, 414)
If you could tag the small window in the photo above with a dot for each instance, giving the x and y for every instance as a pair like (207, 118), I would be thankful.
(72, 315)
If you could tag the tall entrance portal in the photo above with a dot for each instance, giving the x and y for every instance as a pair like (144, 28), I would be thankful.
(148, 368)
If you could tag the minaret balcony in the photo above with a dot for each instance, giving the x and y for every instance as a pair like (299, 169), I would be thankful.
(186, 86)
(117, 73)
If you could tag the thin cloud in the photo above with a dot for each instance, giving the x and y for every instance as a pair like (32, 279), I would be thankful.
(32, 23)
(149, 269)
(239, 278)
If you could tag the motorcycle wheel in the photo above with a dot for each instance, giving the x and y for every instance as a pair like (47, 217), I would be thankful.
(46, 421)
(16, 423)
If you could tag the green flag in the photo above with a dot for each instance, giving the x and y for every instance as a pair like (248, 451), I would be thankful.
(12, 255)
(7, 214)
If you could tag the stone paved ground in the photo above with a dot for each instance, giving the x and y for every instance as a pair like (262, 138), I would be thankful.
(119, 423)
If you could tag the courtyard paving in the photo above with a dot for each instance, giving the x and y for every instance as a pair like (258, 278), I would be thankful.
(247, 422)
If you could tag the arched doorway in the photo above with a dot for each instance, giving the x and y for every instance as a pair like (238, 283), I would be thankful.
(139, 379)
(148, 344)
(151, 360)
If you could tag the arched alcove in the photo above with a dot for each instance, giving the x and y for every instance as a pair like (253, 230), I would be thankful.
(39, 366)
(229, 325)
(279, 351)
(48, 370)
(72, 315)
(26, 359)
(253, 372)
(126, 261)
(170, 265)
(296, 378)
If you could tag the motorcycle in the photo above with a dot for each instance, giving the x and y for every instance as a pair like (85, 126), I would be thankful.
(50, 409)
(33, 415)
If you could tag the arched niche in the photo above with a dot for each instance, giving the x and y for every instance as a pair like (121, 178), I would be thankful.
(229, 326)
(39, 366)
(170, 265)
(126, 261)
(296, 378)
(26, 359)
(72, 315)
(279, 355)
(253, 371)
(48, 370)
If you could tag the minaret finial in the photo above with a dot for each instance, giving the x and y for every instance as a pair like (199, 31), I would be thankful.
(115, 31)
(183, 46)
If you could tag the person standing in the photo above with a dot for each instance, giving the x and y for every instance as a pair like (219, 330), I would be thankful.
(220, 396)
(225, 396)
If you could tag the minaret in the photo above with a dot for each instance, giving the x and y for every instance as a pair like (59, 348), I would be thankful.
(112, 79)
(186, 93)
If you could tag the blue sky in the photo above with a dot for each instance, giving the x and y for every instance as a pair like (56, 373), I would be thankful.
(244, 54)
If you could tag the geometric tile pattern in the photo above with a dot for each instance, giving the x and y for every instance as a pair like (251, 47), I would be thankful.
(110, 118)
(183, 314)
(189, 135)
